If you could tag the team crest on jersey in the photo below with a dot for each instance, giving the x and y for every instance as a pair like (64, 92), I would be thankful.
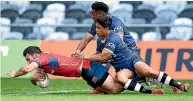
(112, 45)
(117, 29)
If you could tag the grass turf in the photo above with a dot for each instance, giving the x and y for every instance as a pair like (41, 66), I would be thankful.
(77, 90)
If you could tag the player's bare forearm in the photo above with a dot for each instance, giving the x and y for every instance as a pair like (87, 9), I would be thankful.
(23, 70)
(20, 72)
(98, 57)
(83, 43)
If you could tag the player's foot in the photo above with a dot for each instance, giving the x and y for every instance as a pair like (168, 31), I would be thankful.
(94, 91)
(150, 81)
(157, 91)
(175, 90)
(185, 87)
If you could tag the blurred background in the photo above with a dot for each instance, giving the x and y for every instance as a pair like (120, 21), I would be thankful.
(70, 20)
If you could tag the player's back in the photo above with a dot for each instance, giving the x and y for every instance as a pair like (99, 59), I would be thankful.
(59, 65)
(118, 26)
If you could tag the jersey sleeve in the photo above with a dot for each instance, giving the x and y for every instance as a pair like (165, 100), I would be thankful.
(92, 30)
(42, 62)
(98, 49)
(112, 43)
(117, 26)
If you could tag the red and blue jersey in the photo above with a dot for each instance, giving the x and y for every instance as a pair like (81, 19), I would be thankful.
(61, 65)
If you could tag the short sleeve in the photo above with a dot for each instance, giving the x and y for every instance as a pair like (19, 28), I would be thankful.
(117, 26)
(92, 30)
(112, 43)
(42, 62)
(99, 46)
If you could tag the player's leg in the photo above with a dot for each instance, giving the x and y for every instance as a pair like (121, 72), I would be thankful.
(105, 75)
(100, 90)
(116, 87)
(138, 79)
(109, 86)
(98, 77)
(124, 77)
(143, 69)
(113, 75)
(95, 76)
(112, 86)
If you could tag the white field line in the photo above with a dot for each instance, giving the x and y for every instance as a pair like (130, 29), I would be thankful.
(46, 92)
(51, 92)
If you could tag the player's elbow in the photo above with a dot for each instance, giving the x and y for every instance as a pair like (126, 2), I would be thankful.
(104, 59)
(87, 38)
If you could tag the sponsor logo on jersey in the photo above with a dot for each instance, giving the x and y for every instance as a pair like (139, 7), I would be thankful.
(117, 29)
(70, 64)
(111, 45)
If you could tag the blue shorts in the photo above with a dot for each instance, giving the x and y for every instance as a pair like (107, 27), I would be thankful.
(96, 75)
(134, 59)
(133, 47)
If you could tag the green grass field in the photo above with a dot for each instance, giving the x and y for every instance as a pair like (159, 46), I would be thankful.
(77, 90)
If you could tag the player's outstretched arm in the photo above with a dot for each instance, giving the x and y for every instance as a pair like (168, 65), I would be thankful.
(83, 43)
(102, 57)
(23, 70)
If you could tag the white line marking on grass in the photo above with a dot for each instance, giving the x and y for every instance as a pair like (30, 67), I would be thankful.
(46, 92)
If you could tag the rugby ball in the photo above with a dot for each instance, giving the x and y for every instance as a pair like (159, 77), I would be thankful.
(44, 83)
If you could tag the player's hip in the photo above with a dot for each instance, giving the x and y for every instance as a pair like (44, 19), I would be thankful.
(128, 64)
(96, 75)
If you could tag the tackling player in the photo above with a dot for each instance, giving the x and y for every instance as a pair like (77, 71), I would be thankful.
(94, 73)
(126, 62)
(101, 9)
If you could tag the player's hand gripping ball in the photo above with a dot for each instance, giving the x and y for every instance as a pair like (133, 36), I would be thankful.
(40, 78)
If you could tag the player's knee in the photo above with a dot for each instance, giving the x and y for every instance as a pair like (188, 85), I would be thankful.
(121, 79)
(149, 72)
(117, 90)
(117, 78)
(113, 91)
(145, 72)
(152, 73)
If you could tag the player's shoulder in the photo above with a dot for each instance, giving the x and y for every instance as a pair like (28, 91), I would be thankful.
(92, 29)
(47, 54)
(113, 37)
(115, 19)
(93, 25)
(116, 22)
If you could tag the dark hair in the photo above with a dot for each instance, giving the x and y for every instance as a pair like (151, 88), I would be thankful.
(100, 6)
(104, 21)
(32, 50)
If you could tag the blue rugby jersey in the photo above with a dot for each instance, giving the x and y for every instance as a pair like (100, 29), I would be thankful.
(117, 26)
(122, 55)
